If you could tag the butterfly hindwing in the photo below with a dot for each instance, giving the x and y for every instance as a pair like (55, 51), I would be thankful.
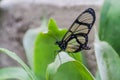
(76, 43)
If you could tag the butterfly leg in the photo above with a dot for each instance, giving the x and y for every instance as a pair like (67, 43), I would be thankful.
(86, 48)
(57, 53)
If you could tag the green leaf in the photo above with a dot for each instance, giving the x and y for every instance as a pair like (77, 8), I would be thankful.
(108, 61)
(15, 57)
(46, 49)
(97, 76)
(29, 39)
(13, 73)
(60, 59)
(67, 68)
(109, 29)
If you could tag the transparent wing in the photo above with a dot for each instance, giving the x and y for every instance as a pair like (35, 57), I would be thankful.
(72, 45)
(82, 24)
(76, 44)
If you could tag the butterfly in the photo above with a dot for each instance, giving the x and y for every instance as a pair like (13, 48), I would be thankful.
(76, 38)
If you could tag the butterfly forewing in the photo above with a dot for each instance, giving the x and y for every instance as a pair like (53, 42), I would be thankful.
(82, 29)
(82, 24)
(86, 18)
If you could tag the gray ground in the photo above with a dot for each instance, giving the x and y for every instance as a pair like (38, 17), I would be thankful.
(17, 18)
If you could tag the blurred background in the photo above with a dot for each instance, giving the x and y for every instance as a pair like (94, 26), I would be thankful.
(17, 16)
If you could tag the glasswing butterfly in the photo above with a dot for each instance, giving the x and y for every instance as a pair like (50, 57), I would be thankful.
(76, 38)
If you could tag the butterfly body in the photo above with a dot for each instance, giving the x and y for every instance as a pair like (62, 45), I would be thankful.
(76, 38)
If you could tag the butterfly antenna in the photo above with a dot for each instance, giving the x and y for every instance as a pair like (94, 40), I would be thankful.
(95, 29)
(96, 35)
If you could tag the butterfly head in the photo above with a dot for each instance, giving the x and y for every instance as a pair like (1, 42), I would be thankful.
(61, 44)
(58, 42)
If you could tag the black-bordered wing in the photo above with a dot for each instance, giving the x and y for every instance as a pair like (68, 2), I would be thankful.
(76, 38)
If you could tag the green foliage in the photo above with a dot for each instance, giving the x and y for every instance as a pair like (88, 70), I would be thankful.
(45, 52)
(109, 29)
(29, 40)
(44, 61)
(108, 61)
(67, 67)
(107, 48)
(24, 66)
(14, 73)
(45, 49)
(46, 64)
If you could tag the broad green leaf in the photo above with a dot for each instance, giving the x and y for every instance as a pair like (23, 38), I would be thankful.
(29, 39)
(46, 49)
(52, 68)
(109, 29)
(15, 57)
(67, 68)
(108, 61)
(97, 76)
(13, 73)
